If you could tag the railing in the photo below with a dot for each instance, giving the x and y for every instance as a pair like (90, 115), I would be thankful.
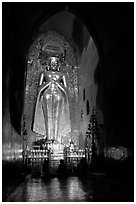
(34, 156)
(71, 158)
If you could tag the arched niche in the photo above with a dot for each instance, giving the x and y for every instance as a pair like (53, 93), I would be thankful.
(65, 31)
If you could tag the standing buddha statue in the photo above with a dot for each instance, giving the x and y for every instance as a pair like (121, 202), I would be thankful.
(51, 114)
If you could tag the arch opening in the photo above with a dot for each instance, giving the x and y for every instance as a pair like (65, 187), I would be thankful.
(61, 65)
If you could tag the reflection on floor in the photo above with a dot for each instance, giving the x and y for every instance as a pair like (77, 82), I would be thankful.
(76, 189)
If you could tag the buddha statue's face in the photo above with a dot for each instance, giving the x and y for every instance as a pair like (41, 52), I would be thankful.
(54, 63)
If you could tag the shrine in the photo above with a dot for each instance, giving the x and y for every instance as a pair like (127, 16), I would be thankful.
(57, 100)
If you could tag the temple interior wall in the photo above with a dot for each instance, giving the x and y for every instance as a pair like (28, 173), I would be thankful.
(12, 145)
(87, 68)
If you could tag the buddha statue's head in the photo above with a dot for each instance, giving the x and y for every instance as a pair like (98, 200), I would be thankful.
(54, 64)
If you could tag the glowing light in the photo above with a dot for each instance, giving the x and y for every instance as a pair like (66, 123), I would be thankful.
(36, 190)
(55, 189)
(75, 190)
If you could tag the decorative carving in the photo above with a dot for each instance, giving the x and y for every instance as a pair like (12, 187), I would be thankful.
(51, 78)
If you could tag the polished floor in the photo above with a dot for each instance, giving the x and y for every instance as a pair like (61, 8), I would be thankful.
(70, 189)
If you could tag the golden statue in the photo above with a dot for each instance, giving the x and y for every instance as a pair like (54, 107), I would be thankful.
(51, 117)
